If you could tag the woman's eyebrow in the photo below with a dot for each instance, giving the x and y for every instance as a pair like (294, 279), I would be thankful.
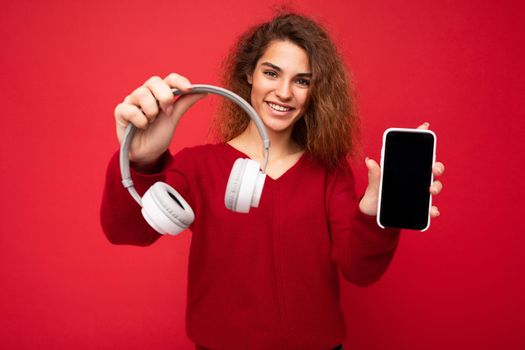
(272, 66)
(279, 69)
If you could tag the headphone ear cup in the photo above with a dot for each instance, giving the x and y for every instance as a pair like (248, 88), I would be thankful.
(165, 210)
(234, 182)
(259, 184)
(244, 186)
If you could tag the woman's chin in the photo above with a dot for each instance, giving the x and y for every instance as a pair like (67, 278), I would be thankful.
(278, 125)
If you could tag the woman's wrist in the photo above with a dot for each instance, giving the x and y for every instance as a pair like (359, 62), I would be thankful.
(156, 165)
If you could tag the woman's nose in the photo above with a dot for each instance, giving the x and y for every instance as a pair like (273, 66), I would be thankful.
(284, 90)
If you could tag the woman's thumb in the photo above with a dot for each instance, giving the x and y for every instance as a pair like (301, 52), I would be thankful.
(374, 173)
(184, 103)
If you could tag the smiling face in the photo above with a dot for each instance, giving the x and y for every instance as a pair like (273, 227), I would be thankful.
(280, 85)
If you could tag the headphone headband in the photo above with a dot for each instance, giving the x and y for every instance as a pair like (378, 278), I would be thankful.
(197, 88)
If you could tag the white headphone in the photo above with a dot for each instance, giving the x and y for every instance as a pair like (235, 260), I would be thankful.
(164, 208)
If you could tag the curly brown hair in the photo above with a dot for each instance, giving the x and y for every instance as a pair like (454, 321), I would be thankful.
(329, 127)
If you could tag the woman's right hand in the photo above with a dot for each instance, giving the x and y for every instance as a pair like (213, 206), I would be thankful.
(155, 121)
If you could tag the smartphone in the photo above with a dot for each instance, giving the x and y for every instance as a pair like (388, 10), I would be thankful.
(407, 158)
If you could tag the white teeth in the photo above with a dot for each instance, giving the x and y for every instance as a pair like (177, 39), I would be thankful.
(279, 108)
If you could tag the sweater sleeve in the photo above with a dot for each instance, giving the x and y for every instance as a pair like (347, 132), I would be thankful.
(361, 249)
(120, 215)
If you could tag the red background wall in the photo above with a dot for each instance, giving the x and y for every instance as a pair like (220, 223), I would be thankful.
(64, 67)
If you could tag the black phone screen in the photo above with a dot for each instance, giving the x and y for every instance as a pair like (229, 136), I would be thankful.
(407, 174)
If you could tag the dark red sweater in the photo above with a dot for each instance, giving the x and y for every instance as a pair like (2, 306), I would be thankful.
(267, 279)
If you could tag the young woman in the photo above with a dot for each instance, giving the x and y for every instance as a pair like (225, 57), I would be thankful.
(267, 279)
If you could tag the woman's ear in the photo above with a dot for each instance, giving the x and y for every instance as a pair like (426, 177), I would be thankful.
(249, 78)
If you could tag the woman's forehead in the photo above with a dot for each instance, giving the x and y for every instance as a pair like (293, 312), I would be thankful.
(287, 56)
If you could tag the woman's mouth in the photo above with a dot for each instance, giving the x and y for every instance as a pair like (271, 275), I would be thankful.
(279, 108)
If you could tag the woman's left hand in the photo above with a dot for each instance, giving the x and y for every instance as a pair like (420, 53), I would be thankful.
(368, 204)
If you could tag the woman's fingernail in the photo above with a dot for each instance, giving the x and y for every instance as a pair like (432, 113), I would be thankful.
(427, 124)
(169, 110)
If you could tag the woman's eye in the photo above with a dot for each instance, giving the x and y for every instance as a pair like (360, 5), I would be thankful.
(270, 73)
(304, 82)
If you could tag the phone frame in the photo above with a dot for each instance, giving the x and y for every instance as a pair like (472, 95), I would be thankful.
(385, 134)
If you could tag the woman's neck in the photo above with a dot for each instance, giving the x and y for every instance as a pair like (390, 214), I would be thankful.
(250, 143)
